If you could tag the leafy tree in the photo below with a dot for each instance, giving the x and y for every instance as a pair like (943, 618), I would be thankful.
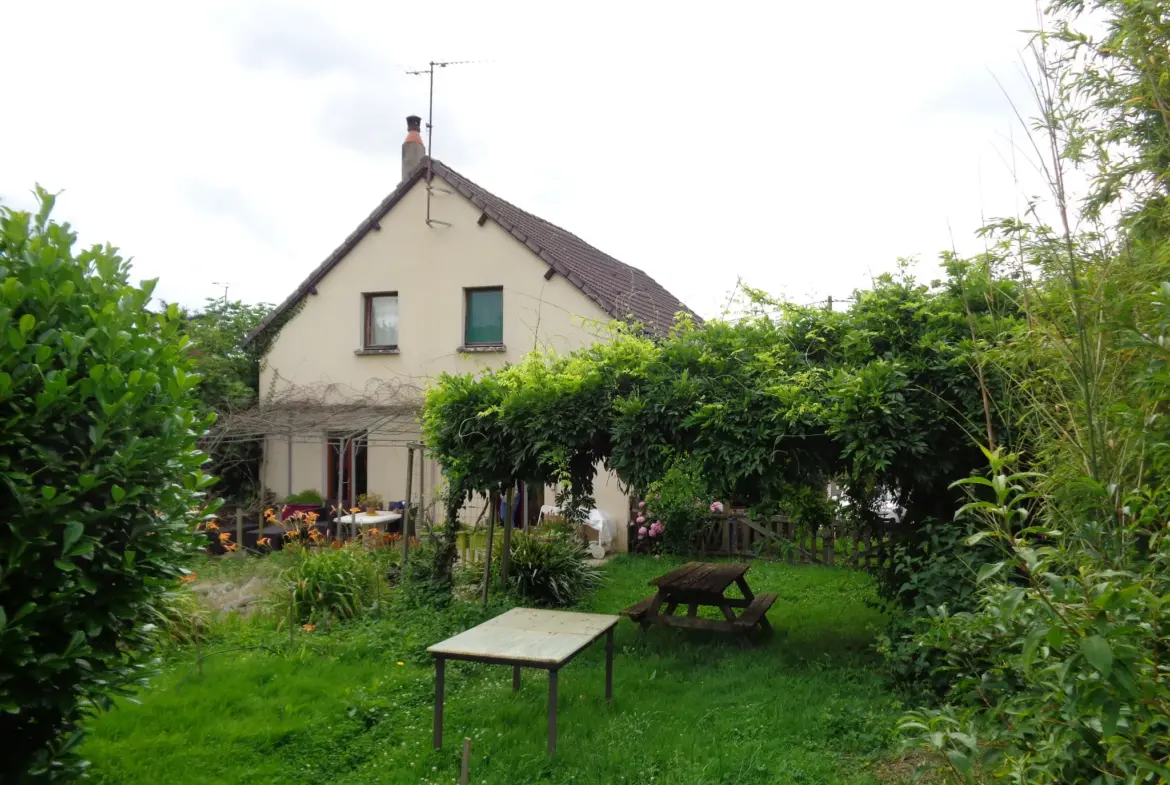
(885, 397)
(230, 381)
(101, 478)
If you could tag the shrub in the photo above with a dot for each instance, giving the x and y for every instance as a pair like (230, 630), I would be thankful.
(678, 504)
(550, 570)
(935, 573)
(328, 583)
(427, 580)
(309, 496)
(1058, 672)
(100, 470)
(179, 617)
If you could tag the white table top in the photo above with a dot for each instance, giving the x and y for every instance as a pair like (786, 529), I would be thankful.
(527, 634)
(363, 519)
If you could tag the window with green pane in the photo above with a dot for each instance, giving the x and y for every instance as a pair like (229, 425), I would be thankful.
(483, 318)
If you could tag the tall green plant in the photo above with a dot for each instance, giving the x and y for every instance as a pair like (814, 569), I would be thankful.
(1058, 675)
(101, 480)
(1056, 672)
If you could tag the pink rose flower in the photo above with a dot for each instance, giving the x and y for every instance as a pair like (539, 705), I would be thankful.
(716, 506)
(641, 505)
(642, 532)
(641, 519)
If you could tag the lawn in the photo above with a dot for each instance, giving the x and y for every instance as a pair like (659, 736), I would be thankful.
(353, 705)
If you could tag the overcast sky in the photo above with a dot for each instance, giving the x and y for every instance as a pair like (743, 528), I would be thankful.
(801, 146)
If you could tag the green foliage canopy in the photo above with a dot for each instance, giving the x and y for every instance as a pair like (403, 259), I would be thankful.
(229, 374)
(884, 397)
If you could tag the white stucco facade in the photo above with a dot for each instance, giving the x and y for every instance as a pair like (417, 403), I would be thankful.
(319, 353)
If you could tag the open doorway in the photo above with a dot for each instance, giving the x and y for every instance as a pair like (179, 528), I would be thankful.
(347, 467)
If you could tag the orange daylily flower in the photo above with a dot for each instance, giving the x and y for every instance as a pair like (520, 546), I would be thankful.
(263, 541)
(355, 509)
(225, 537)
(308, 627)
(188, 577)
(212, 525)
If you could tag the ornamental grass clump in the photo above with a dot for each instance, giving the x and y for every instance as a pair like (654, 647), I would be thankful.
(328, 583)
(550, 571)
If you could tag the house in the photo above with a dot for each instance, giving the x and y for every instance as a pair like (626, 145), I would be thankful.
(442, 276)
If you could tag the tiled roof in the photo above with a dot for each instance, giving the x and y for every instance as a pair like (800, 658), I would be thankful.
(622, 291)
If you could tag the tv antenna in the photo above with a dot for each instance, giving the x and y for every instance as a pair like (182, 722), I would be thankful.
(225, 285)
(430, 72)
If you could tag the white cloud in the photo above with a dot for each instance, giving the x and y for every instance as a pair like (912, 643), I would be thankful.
(800, 146)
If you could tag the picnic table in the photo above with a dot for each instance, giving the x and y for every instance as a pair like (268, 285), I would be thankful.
(696, 584)
(526, 638)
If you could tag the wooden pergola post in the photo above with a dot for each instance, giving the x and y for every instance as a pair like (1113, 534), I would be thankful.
(406, 507)
(524, 506)
(422, 484)
(506, 555)
(494, 501)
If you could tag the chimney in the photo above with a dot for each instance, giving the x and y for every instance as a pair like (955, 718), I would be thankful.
(413, 149)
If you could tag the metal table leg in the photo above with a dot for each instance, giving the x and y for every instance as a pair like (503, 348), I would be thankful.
(440, 669)
(552, 711)
(515, 678)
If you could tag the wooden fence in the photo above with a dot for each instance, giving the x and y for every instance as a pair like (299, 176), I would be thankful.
(843, 544)
(734, 534)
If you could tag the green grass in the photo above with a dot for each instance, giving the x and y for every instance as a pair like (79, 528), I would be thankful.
(807, 706)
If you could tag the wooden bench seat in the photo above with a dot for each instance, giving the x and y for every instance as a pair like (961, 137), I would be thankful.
(640, 608)
(754, 613)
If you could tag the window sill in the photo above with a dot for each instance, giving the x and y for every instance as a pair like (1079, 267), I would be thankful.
(483, 348)
(376, 350)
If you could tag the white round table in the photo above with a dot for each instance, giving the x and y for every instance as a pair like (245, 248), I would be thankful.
(357, 520)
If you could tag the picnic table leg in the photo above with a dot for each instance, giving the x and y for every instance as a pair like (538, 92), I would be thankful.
(552, 711)
(439, 673)
(655, 606)
(670, 608)
(730, 616)
(515, 678)
(609, 665)
(692, 610)
(741, 582)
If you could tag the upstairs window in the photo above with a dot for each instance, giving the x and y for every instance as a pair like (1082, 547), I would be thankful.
(381, 321)
(483, 317)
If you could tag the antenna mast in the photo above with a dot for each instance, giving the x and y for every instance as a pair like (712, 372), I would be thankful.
(430, 72)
